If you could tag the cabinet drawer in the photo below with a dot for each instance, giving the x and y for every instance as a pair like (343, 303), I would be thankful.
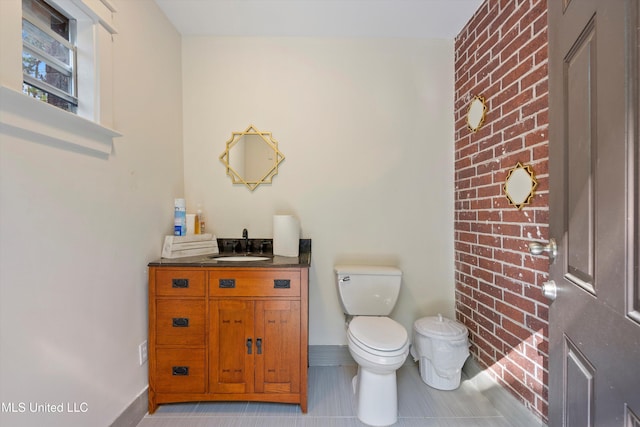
(250, 283)
(180, 283)
(180, 322)
(180, 371)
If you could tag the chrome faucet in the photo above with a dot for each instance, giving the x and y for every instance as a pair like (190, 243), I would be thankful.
(245, 237)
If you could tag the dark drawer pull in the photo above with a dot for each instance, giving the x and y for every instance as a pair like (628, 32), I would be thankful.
(180, 322)
(282, 283)
(180, 283)
(181, 371)
(227, 283)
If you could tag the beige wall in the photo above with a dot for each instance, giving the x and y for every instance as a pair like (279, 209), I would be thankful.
(367, 130)
(76, 233)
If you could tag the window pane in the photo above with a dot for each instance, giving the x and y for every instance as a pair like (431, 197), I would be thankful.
(39, 40)
(36, 93)
(40, 70)
(48, 62)
(49, 16)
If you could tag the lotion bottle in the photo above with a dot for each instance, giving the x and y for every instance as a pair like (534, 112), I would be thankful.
(200, 227)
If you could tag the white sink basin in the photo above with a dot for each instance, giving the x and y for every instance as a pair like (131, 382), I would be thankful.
(241, 258)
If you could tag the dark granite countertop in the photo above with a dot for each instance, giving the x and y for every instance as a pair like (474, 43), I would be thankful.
(217, 260)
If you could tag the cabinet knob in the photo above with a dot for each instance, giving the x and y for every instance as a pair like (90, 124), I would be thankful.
(249, 345)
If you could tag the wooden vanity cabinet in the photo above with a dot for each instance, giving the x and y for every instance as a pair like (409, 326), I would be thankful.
(228, 334)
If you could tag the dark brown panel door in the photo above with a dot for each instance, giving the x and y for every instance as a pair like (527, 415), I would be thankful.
(594, 361)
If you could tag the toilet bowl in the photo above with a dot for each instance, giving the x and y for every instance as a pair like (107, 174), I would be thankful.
(377, 343)
(380, 342)
(380, 346)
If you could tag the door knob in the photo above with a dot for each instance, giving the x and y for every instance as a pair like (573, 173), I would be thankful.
(550, 290)
(551, 248)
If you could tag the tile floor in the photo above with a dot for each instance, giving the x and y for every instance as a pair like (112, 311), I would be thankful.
(331, 404)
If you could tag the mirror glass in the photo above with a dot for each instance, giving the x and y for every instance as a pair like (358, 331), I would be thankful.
(520, 185)
(476, 113)
(251, 157)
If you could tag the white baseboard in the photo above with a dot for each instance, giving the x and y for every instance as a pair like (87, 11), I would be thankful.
(135, 412)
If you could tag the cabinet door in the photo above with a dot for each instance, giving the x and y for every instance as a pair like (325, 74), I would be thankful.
(277, 358)
(232, 346)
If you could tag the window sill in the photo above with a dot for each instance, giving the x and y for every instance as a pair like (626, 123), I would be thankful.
(36, 121)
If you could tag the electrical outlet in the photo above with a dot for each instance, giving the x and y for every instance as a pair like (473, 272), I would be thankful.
(143, 352)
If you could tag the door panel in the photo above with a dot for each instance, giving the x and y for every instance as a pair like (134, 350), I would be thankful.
(594, 338)
(578, 72)
(231, 352)
(579, 373)
(632, 419)
(278, 364)
(634, 150)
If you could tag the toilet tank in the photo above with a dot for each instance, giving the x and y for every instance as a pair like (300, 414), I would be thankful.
(366, 290)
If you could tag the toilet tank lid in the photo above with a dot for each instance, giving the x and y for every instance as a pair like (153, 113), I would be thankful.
(377, 270)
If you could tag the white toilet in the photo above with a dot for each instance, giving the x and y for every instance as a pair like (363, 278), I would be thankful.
(377, 343)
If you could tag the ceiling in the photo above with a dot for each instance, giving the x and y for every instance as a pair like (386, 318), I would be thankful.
(320, 18)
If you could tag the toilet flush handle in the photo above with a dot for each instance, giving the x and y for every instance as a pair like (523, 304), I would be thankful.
(345, 279)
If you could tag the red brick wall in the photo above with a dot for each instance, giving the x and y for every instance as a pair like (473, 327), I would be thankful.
(502, 55)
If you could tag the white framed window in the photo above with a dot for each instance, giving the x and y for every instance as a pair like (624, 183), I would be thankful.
(49, 55)
(67, 61)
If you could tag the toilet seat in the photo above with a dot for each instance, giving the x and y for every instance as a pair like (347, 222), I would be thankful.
(380, 336)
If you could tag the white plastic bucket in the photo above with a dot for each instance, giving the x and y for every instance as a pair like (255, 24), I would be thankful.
(441, 345)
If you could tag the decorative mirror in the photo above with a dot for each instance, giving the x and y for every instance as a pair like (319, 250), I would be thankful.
(476, 113)
(520, 185)
(251, 157)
